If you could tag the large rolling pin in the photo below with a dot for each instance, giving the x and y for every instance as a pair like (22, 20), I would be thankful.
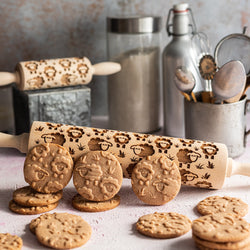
(202, 164)
(54, 73)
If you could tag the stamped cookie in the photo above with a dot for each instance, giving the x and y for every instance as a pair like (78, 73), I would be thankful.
(81, 204)
(217, 204)
(48, 168)
(63, 231)
(163, 225)
(222, 245)
(221, 227)
(97, 176)
(19, 209)
(156, 180)
(27, 196)
(10, 242)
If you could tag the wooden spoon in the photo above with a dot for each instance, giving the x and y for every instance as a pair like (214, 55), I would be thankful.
(185, 82)
(229, 82)
(247, 85)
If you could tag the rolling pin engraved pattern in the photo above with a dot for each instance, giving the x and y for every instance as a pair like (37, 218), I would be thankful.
(55, 72)
(198, 161)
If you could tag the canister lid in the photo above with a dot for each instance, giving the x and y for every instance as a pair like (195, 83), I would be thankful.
(133, 25)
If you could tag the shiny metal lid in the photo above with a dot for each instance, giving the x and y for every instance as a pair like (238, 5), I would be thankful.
(134, 25)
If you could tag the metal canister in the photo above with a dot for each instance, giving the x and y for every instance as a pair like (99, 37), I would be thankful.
(134, 92)
(179, 52)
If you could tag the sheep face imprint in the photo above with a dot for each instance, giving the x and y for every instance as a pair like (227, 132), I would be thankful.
(65, 63)
(121, 139)
(83, 69)
(97, 144)
(75, 133)
(36, 82)
(186, 156)
(109, 186)
(56, 138)
(31, 66)
(163, 144)
(50, 72)
(187, 176)
(92, 172)
(144, 173)
(210, 150)
(142, 150)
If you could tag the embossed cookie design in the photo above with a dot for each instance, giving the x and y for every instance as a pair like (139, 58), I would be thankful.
(156, 180)
(163, 225)
(48, 168)
(217, 204)
(97, 176)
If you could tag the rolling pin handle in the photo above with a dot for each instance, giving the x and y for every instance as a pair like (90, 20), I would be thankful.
(19, 142)
(237, 168)
(7, 78)
(106, 68)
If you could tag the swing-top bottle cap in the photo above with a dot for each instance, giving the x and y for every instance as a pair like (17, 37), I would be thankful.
(182, 7)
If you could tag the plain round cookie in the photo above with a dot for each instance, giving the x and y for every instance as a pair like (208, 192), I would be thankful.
(221, 227)
(163, 225)
(19, 209)
(10, 242)
(223, 245)
(63, 231)
(218, 204)
(201, 247)
(97, 176)
(81, 204)
(27, 196)
(156, 180)
(34, 223)
(48, 168)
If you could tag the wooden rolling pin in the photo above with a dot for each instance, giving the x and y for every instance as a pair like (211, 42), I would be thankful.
(54, 73)
(202, 164)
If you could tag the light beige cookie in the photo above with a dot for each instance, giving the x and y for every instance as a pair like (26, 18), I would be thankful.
(81, 204)
(223, 245)
(221, 227)
(48, 168)
(156, 180)
(63, 231)
(217, 204)
(163, 225)
(201, 247)
(34, 223)
(10, 242)
(97, 176)
(27, 196)
(19, 209)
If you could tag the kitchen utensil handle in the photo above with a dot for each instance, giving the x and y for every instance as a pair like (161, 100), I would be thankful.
(237, 168)
(7, 78)
(106, 68)
(19, 142)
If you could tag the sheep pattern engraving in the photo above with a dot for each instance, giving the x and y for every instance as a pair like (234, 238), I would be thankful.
(192, 157)
(55, 72)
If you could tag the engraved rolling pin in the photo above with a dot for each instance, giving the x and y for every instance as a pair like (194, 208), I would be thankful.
(54, 73)
(201, 164)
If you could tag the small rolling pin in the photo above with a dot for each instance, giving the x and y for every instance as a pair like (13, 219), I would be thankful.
(201, 164)
(54, 73)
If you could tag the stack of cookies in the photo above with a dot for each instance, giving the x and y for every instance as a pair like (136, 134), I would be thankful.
(97, 177)
(222, 226)
(28, 201)
(48, 169)
(221, 231)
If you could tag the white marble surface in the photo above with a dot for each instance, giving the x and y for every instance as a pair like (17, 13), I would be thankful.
(114, 229)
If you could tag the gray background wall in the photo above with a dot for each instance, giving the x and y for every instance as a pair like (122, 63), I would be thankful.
(34, 29)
